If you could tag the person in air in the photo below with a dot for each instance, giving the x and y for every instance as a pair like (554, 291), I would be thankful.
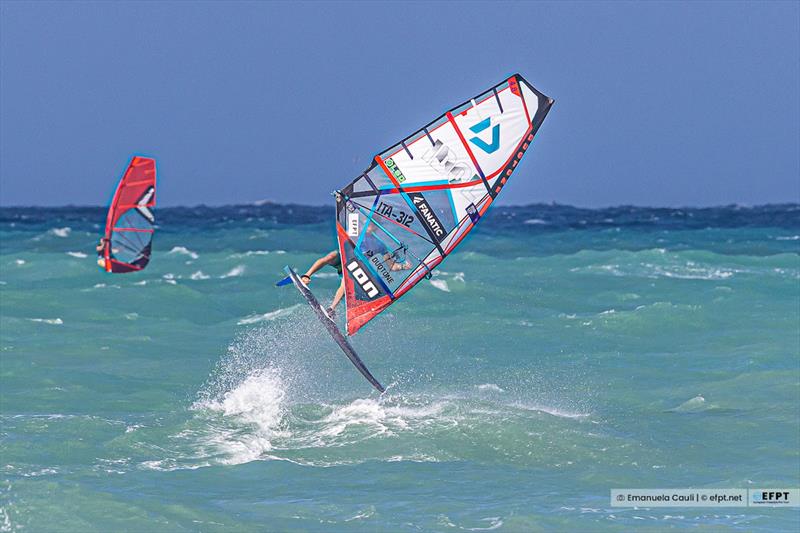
(370, 245)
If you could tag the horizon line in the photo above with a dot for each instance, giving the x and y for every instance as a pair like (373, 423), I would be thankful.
(263, 203)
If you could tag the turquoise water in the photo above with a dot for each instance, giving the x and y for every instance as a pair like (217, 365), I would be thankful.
(560, 353)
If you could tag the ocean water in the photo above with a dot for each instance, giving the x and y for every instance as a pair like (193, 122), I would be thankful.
(561, 352)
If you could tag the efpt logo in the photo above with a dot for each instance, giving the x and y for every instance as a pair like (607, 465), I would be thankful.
(480, 143)
(770, 497)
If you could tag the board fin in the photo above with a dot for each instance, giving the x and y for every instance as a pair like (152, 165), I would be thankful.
(285, 281)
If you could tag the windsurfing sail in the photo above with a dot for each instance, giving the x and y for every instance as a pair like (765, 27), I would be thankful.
(128, 238)
(419, 198)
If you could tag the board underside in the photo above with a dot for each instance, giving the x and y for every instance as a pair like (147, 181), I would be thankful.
(330, 325)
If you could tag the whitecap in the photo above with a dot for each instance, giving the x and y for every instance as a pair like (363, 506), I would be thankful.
(249, 253)
(363, 514)
(61, 232)
(536, 221)
(183, 251)
(236, 271)
(491, 387)
(440, 284)
(272, 315)
(552, 411)
(698, 403)
(53, 321)
(326, 275)
(19, 262)
(103, 286)
(199, 275)
(79, 255)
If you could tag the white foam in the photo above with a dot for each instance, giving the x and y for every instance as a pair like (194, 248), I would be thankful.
(103, 286)
(19, 262)
(199, 275)
(698, 403)
(536, 221)
(79, 255)
(272, 315)
(440, 284)
(491, 387)
(249, 253)
(61, 232)
(257, 252)
(326, 275)
(5, 519)
(183, 251)
(236, 271)
(383, 418)
(53, 321)
(257, 401)
(552, 411)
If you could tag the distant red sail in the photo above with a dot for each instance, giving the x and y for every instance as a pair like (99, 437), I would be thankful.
(130, 222)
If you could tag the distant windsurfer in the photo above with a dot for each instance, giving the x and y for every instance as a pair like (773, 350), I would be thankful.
(370, 245)
(101, 252)
(139, 263)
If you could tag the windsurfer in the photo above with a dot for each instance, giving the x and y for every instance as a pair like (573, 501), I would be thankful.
(101, 247)
(140, 262)
(370, 245)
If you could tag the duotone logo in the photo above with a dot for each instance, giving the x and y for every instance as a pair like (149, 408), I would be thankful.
(480, 143)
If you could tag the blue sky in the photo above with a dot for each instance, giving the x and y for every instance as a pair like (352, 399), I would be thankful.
(660, 104)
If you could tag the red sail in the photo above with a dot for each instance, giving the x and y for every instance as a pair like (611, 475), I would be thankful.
(130, 221)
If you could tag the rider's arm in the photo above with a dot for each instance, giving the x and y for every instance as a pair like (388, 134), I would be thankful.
(319, 263)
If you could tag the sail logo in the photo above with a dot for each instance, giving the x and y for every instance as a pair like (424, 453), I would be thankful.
(480, 143)
(444, 161)
(141, 204)
(395, 170)
(352, 224)
(362, 278)
(428, 216)
(381, 268)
